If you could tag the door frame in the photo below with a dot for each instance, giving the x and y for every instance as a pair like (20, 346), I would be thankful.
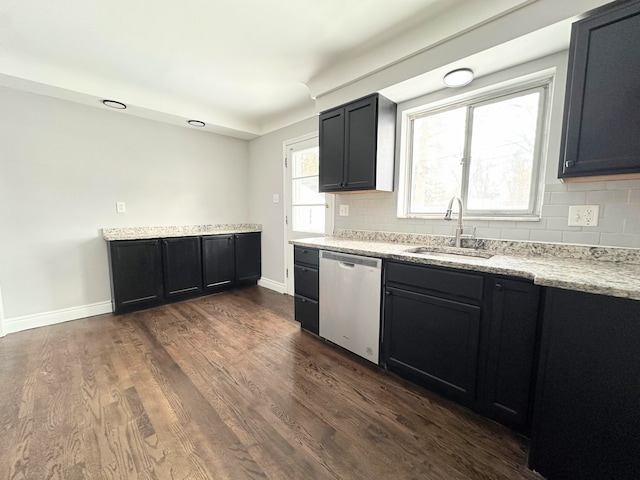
(288, 279)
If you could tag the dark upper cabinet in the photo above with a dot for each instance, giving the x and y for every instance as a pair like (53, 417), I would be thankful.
(586, 423)
(248, 257)
(602, 102)
(218, 262)
(357, 146)
(136, 274)
(182, 262)
(510, 343)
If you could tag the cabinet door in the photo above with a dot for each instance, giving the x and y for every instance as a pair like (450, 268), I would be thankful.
(360, 140)
(218, 262)
(432, 341)
(331, 150)
(307, 313)
(602, 118)
(136, 274)
(248, 258)
(182, 267)
(586, 423)
(510, 347)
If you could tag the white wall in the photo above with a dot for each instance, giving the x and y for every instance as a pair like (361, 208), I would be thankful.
(619, 201)
(265, 179)
(62, 168)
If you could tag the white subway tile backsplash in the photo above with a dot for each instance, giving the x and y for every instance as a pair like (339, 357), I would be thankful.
(631, 225)
(634, 196)
(583, 238)
(568, 198)
(618, 225)
(620, 240)
(586, 186)
(514, 234)
(623, 185)
(545, 236)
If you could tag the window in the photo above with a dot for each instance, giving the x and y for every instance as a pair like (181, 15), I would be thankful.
(486, 151)
(307, 205)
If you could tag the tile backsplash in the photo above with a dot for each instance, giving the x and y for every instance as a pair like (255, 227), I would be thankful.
(618, 220)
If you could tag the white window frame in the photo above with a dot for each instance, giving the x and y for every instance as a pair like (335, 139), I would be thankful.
(470, 101)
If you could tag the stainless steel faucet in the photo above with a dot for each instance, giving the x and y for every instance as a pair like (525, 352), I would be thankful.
(460, 227)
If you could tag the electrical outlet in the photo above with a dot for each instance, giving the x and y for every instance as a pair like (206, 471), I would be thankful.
(120, 207)
(344, 210)
(276, 198)
(583, 215)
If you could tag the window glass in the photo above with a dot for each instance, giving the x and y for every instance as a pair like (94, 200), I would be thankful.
(308, 207)
(486, 151)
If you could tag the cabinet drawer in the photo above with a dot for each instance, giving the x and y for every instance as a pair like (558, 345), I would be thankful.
(306, 281)
(308, 256)
(306, 312)
(436, 281)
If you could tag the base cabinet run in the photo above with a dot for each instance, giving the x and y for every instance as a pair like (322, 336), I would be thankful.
(306, 278)
(147, 273)
(468, 336)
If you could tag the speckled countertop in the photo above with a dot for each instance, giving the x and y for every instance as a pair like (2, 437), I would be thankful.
(139, 233)
(602, 270)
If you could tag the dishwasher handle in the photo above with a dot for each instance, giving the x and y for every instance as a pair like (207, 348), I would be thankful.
(347, 264)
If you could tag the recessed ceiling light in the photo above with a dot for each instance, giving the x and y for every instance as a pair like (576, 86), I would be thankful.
(196, 123)
(458, 78)
(114, 104)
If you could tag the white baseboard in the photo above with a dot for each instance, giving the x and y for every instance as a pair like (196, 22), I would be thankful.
(17, 324)
(271, 285)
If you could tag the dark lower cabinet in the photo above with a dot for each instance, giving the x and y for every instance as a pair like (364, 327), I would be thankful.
(586, 422)
(248, 258)
(471, 337)
(433, 341)
(182, 262)
(509, 339)
(218, 262)
(136, 274)
(306, 278)
(147, 273)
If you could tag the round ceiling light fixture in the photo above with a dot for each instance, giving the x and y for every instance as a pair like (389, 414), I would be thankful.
(114, 104)
(196, 123)
(458, 78)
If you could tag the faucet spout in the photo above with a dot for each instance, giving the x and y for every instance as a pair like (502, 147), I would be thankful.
(447, 216)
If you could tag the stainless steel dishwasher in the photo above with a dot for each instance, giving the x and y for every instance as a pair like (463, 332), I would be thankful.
(350, 302)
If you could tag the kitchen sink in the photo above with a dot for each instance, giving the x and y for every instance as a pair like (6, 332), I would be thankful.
(449, 252)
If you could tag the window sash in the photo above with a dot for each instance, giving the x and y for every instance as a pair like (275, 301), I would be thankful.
(535, 187)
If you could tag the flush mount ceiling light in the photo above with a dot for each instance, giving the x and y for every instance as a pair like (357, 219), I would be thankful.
(196, 123)
(114, 104)
(458, 78)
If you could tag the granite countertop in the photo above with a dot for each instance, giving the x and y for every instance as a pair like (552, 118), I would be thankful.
(602, 270)
(139, 233)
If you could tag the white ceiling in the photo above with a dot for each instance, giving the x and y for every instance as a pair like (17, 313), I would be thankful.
(243, 66)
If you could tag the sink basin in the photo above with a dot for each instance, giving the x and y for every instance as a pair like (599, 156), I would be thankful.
(449, 252)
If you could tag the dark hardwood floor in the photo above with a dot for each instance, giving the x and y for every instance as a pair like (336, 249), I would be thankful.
(226, 386)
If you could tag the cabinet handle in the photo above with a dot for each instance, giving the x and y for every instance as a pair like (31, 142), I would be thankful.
(304, 269)
(569, 164)
(388, 293)
(237, 236)
(498, 286)
(341, 184)
(303, 300)
(305, 251)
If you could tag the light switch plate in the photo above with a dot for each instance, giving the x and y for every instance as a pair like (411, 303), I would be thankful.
(120, 207)
(276, 198)
(344, 210)
(583, 215)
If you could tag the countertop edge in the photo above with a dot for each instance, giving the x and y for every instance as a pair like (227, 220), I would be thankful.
(546, 272)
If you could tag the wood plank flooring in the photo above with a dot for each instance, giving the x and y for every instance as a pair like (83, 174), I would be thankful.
(226, 386)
